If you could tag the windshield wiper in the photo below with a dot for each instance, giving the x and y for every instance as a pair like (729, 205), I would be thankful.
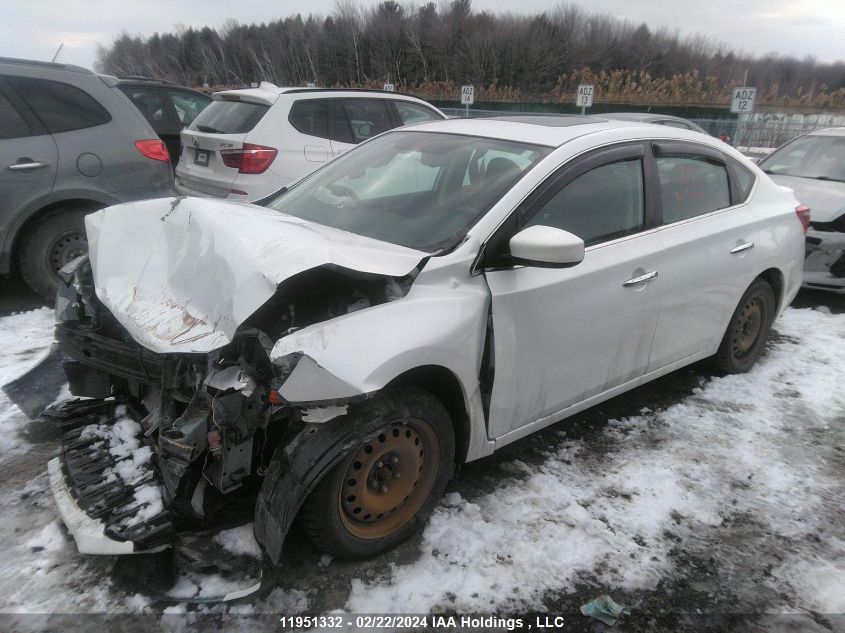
(827, 178)
(209, 130)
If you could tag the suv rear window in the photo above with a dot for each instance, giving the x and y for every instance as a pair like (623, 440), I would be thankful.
(60, 106)
(229, 117)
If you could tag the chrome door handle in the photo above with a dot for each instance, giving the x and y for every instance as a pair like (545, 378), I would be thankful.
(26, 166)
(642, 279)
(742, 247)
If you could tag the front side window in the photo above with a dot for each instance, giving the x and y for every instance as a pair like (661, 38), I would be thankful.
(601, 205)
(367, 117)
(412, 188)
(413, 113)
(691, 186)
(60, 106)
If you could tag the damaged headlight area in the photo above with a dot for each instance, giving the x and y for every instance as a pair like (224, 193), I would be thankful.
(201, 426)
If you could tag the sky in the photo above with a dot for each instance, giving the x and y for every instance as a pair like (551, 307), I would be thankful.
(35, 28)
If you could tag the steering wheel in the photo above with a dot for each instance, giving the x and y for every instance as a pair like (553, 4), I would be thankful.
(345, 190)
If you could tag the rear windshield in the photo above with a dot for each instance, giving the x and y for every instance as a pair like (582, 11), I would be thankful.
(229, 117)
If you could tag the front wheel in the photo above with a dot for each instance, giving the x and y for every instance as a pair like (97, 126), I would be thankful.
(385, 487)
(748, 330)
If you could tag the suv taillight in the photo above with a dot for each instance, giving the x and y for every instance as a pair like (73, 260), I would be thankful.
(250, 159)
(803, 212)
(154, 149)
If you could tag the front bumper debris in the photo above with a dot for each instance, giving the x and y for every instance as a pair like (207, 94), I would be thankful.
(106, 495)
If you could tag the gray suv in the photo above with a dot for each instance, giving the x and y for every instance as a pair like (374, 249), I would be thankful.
(70, 143)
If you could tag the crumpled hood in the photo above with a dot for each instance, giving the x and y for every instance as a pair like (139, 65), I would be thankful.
(825, 198)
(182, 274)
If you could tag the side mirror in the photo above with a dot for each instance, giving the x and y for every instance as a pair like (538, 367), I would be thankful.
(547, 246)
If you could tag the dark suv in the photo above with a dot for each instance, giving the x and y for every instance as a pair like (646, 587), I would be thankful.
(70, 143)
(167, 107)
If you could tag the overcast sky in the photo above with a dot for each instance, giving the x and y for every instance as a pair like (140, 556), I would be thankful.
(34, 28)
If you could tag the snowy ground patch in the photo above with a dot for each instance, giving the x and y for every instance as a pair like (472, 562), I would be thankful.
(25, 339)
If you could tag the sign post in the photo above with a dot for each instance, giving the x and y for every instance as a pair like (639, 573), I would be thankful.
(584, 97)
(742, 102)
(467, 98)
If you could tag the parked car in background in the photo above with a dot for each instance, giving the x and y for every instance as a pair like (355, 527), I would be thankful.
(70, 143)
(813, 165)
(250, 143)
(168, 107)
(658, 119)
(433, 295)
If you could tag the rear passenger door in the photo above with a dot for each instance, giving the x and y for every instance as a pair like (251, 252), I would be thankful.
(27, 159)
(707, 259)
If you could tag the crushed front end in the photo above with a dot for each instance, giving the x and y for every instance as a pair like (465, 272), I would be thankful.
(824, 265)
(167, 443)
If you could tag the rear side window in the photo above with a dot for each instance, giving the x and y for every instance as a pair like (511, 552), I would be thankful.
(229, 117)
(12, 124)
(149, 102)
(187, 105)
(367, 117)
(311, 117)
(60, 106)
(691, 186)
(604, 204)
(413, 113)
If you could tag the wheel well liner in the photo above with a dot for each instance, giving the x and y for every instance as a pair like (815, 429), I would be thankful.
(444, 386)
(774, 277)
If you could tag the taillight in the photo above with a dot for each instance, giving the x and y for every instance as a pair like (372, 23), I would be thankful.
(154, 149)
(803, 212)
(250, 159)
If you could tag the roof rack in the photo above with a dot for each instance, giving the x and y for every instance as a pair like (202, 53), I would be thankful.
(144, 78)
(375, 90)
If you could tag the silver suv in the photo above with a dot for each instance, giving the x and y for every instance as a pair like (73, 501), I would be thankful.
(70, 143)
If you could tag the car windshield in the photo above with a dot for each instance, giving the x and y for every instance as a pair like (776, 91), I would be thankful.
(422, 190)
(821, 157)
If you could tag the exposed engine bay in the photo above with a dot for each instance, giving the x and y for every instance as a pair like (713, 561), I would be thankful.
(207, 424)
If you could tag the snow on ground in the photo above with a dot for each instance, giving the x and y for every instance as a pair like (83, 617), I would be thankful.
(745, 469)
(25, 339)
(761, 447)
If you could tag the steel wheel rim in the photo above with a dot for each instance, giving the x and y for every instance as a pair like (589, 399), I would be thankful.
(388, 479)
(747, 329)
(65, 249)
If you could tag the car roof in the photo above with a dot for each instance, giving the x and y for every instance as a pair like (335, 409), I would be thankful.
(546, 130)
(33, 63)
(828, 131)
(268, 93)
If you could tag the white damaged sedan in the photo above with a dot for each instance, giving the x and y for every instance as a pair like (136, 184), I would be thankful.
(335, 352)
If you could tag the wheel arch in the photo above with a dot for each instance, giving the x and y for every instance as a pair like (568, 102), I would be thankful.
(775, 278)
(444, 385)
(30, 219)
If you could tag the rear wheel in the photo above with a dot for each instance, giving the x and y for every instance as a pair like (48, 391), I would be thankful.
(385, 487)
(748, 330)
(56, 238)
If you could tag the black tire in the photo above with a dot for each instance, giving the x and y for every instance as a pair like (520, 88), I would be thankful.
(52, 241)
(327, 517)
(748, 330)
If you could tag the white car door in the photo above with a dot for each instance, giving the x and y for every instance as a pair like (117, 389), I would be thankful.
(708, 258)
(562, 335)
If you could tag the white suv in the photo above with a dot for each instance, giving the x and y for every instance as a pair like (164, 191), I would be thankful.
(250, 143)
